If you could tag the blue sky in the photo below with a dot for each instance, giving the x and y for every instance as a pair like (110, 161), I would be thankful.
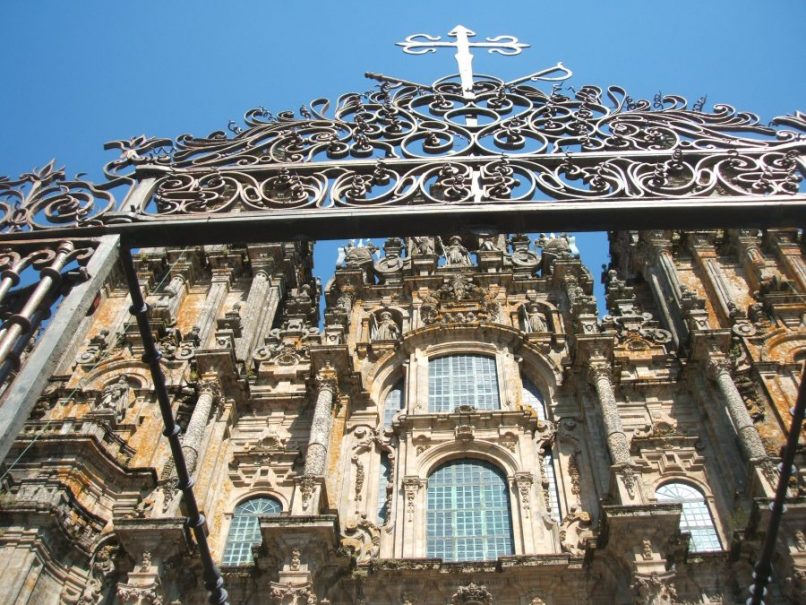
(78, 74)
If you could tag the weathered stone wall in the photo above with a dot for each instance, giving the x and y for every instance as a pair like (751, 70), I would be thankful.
(687, 378)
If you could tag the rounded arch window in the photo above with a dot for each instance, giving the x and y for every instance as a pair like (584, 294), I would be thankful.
(531, 396)
(393, 403)
(468, 516)
(696, 518)
(244, 531)
(456, 380)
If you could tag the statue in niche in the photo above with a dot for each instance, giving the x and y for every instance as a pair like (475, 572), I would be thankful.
(534, 319)
(115, 398)
(456, 255)
(422, 245)
(387, 327)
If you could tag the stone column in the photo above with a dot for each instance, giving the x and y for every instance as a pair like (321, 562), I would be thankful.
(209, 392)
(748, 436)
(316, 459)
(599, 373)
(253, 311)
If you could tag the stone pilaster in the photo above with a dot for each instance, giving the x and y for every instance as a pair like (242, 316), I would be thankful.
(253, 311)
(748, 436)
(219, 286)
(209, 392)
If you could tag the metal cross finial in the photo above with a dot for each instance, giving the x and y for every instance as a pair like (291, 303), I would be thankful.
(420, 44)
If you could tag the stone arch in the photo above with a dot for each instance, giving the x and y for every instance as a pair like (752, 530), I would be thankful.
(107, 373)
(262, 492)
(452, 450)
(784, 347)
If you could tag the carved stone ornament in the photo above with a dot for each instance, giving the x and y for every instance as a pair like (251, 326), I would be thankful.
(361, 540)
(472, 594)
(654, 589)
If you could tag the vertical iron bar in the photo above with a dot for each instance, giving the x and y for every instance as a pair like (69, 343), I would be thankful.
(151, 355)
(764, 566)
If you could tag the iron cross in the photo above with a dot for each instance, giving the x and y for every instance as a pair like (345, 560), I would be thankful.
(420, 44)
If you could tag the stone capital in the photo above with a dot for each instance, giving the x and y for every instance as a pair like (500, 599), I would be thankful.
(210, 385)
(718, 366)
(598, 370)
(327, 380)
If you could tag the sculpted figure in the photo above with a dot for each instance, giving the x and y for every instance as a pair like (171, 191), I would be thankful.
(535, 320)
(387, 328)
(456, 254)
(115, 398)
(422, 245)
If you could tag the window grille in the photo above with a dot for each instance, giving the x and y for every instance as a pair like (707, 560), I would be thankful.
(532, 397)
(244, 531)
(468, 512)
(696, 518)
(393, 404)
(462, 380)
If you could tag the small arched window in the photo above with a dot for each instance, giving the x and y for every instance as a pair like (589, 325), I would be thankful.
(392, 404)
(244, 531)
(468, 512)
(531, 396)
(384, 484)
(462, 380)
(696, 518)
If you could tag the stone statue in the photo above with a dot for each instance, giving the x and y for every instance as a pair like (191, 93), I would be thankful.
(357, 255)
(115, 398)
(535, 320)
(456, 255)
(387, 327)
(422, 245)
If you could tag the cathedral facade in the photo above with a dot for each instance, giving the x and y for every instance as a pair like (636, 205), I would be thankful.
(464, 427)
(449, 420)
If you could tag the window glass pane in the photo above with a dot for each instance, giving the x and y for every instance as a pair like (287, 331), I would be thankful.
(384, 478)
(696, 518)
(468, 516)
(244, 531)
(393, 404)
(534, 398)
(462, 380)
(547, 465)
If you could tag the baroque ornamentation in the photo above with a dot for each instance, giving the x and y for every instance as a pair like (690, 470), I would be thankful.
(361, 540)
(472, 594)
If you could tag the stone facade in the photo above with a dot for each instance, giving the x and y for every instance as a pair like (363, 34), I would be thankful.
(688, 379)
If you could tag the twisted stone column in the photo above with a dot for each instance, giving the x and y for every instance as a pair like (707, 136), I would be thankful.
(748, 435)
(599, 374)
(209, 392)
(316, 460)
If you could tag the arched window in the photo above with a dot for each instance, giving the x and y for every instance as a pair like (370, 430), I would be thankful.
(244, 531)
(384, 482)
(392, 404)
(696, 518)
(532, 397)
(462, 380)
(468, 512)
